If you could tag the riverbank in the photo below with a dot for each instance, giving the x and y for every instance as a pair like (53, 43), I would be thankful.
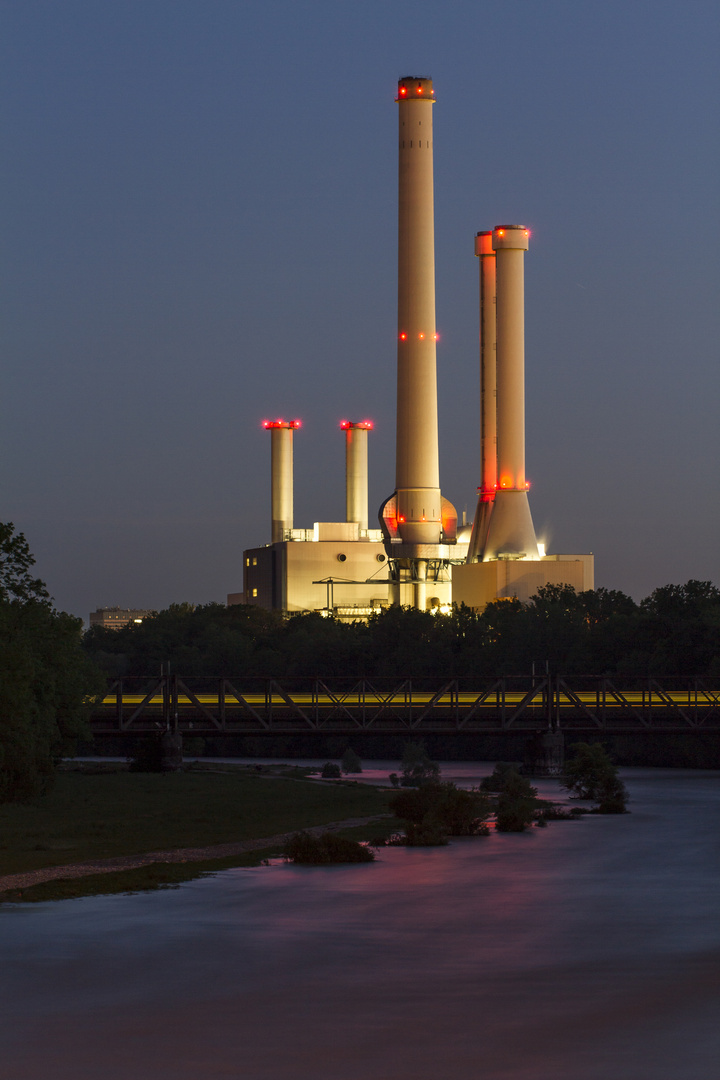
(103, 829)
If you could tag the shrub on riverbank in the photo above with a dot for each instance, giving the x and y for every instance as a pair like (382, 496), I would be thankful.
(517, 803)
(327, 848)
(590, 774)
(350, 762)
(440, 810)
(417, 768)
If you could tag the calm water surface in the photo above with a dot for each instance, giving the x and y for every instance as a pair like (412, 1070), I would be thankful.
(585, 951)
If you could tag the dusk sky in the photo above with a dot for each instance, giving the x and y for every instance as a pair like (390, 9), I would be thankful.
(199, 231)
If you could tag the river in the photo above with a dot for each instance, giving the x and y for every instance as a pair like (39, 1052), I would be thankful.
(589, 950)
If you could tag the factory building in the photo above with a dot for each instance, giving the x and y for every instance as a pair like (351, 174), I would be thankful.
(418, 557)
(116, 618)
(338, 567)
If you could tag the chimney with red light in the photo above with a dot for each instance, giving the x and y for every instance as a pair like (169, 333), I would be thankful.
(488, 397)
(281, 466)
(511, 533)
(416, 520)
(356, 471)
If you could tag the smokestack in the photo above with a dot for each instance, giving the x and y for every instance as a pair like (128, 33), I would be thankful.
(488, 397)
(416, 519)
(511, 533)
(281, 468)
(356, 471)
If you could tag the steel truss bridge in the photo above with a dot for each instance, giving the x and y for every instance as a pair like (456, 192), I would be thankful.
(255, 706)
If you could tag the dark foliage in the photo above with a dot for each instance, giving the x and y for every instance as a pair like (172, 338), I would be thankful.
(590, 774)
(46, 678)
(441, 810)
(350, 762)
(516, 805)
(496, 781)
(674, 631)
(426, 834)
(330, 771)
(312, 850)
(417, 768)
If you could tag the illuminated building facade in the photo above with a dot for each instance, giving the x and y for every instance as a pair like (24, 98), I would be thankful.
(115, 618)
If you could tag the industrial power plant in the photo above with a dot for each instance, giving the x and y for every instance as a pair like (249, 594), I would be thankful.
(418, 556)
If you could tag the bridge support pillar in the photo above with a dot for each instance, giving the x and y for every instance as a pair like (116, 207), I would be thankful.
(171, 752)
(545, 754)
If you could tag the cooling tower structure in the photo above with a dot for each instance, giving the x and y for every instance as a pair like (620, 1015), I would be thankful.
(417, 522)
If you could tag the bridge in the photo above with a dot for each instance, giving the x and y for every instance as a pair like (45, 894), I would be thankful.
(411, 707)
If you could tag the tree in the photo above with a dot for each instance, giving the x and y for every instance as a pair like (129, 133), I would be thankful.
(350, 762)
(16, 581)
(590, 774)
(417, 768)
(45, 677)
(444, 808)
(516, 806)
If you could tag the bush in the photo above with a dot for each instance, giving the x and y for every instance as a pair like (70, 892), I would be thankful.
(496, 781)
(516, 806)
(331, 771)
(590, 774)
(350, 762)
(327, 848)
(442, 808)
(428, 834)
(417, 768)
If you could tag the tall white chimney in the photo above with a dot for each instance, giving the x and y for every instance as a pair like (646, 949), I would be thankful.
(281, 470)
(511, 533)
(356, 471)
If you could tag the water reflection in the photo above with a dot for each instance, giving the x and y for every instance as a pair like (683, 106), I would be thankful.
(589, 949)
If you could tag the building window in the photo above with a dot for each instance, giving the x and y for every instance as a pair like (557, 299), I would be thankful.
(255, 560)
(254, 592)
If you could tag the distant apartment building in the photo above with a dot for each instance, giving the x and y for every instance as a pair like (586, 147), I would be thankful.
(115, 618)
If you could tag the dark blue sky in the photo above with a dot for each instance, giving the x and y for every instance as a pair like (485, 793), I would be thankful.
(199, 230)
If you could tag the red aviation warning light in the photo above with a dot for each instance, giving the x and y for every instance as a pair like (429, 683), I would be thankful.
(362, 425)
(271, 424)
(414, 87)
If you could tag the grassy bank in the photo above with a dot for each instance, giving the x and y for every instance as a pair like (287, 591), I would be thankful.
(101, 814)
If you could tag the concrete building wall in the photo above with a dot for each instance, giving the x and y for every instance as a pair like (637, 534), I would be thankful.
(281, 575)
(478, 584)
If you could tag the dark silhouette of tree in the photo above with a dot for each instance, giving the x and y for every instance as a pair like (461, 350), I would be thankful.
(45, 676)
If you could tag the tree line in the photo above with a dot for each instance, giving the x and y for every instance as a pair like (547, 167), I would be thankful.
(673, 631)
(51, 673)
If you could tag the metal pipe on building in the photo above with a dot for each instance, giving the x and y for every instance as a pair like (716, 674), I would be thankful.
(356, 471)
(488, 397)
(281, 469)
(511, 533)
